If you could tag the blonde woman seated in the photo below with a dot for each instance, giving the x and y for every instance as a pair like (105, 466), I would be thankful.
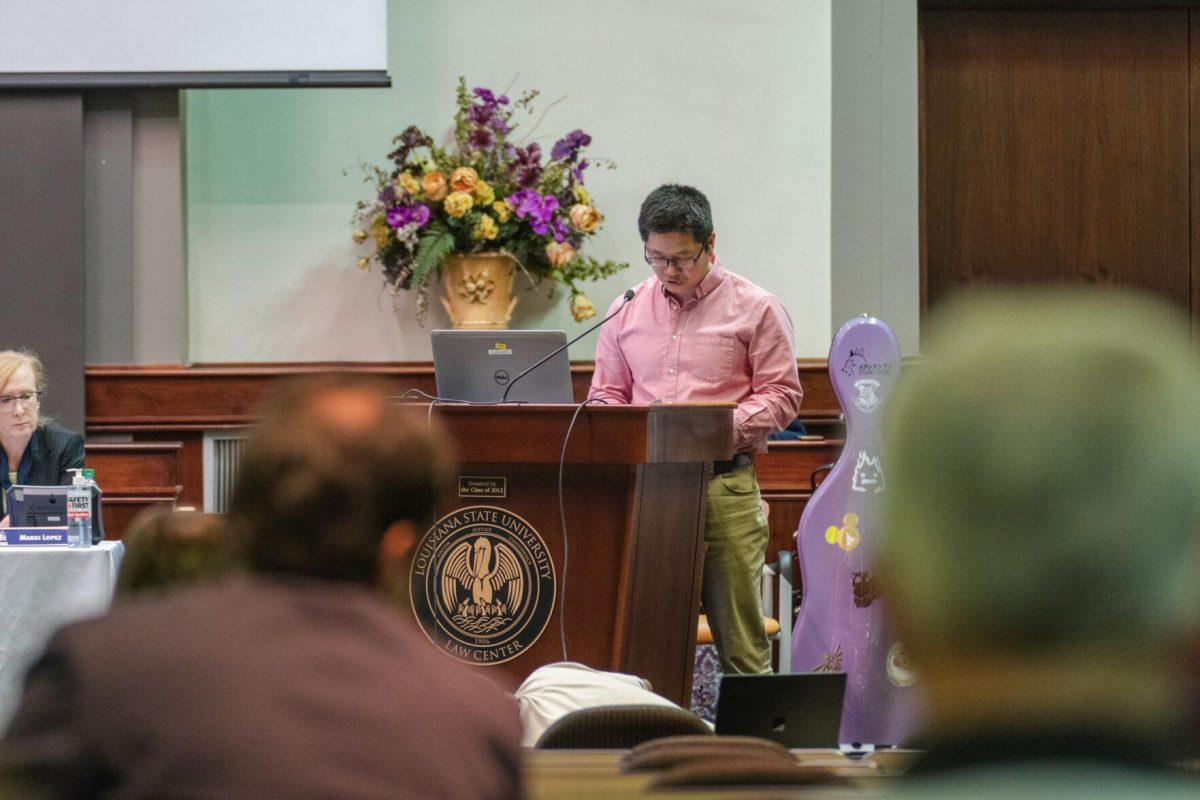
(34, 450)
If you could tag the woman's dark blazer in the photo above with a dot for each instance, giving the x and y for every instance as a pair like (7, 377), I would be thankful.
(55, 450)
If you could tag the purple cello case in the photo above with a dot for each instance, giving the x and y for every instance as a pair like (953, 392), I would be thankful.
(840, 626)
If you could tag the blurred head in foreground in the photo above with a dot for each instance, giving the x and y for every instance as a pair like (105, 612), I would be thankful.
(337, 482)
(300, 681)
(166, 549)
(1042, 511)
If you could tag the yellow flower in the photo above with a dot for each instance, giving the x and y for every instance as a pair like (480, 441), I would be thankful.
(359, 236)
(484, 195)
(380, 231)
(485, 228)
(457, 204)
(363, 262)
(503, 212)
(464, 179)
(585, 218)
(434, 186)
(581, 195)
(559, 253)
(410, 184)
(581, 307)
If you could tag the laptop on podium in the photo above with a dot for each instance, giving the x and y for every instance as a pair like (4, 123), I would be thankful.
(477, 366)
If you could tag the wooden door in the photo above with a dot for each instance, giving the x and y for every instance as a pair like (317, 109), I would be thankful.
(1055, 147)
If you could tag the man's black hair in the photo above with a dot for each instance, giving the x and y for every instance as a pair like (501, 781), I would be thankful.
(672, 208)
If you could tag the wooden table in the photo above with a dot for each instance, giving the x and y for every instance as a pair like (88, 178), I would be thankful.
(595, 775)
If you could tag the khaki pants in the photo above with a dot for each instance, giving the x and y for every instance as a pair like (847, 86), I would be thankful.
(736, 533)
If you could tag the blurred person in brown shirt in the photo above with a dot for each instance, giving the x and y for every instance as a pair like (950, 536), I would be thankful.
(300, 680)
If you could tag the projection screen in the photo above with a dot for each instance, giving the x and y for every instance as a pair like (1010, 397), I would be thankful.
(192, 43)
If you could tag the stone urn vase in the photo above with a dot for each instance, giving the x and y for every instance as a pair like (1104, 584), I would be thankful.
(478, 290)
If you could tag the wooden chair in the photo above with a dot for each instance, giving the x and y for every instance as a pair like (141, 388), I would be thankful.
(620, 727)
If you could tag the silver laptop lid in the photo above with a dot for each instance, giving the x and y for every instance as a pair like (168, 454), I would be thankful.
(477, 366)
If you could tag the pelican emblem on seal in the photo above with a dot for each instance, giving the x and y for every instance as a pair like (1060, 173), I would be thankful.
(482, 586)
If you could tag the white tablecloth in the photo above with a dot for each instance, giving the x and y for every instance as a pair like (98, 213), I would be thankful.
(41, 589)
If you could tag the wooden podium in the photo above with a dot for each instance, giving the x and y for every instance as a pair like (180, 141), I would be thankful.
(635, 479)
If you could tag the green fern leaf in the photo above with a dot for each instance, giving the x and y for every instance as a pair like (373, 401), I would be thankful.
(432, 249)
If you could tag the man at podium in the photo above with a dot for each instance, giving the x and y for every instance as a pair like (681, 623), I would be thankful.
(696, 333)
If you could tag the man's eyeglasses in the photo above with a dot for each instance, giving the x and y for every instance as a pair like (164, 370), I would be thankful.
(8, 402)
(681, 262)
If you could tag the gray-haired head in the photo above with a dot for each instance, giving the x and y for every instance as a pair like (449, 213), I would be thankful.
(1044, 477)
(672, 208)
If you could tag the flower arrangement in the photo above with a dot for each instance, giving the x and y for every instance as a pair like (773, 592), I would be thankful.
(487, 192)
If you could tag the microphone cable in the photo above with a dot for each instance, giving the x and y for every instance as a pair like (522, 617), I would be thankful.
(434, 400)
(562, 520)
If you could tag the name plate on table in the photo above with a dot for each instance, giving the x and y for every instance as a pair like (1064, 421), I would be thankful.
(34, 537)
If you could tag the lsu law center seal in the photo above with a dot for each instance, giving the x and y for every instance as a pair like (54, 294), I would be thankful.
(482, 585)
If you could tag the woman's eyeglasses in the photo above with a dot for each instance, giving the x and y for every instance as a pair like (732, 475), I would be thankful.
(8, 402)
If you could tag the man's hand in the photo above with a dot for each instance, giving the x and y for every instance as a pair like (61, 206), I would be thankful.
(4, 522)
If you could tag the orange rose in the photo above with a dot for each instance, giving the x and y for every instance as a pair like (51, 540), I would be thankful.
(464, 180)
(581, 307)
(559, 253)
(585, 218)
(434, 185)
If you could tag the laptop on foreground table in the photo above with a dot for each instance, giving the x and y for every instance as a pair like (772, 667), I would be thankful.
(802, 710)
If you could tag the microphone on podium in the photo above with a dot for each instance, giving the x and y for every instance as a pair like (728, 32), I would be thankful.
(628, 296)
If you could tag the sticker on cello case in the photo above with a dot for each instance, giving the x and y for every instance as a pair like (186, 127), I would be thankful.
(863, 585)
(868, 474)
(847, 536)
(867, 399)
(899, 671)
(830, 662)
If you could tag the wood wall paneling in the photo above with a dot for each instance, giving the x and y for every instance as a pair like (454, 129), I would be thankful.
(126, 468)
(1056, 148)
(124, 398)
(134, 477)
(167, 408)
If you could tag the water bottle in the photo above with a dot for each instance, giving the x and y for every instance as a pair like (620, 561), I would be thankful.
(96, 518)
(79, 511)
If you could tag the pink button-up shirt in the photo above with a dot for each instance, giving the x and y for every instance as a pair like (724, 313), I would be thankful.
(732, 342)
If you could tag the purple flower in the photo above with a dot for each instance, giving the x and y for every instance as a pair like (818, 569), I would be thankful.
(409, 140)
(481, 115)
(578, 169)
(527, 167)
(527, 177)
(412, 137)
(414, 214)
(567, 148)
(529, 156)
(489, 98)
(387, 195)
(538, 209)
(481, 139)
(561, 231)
(499, 125)
(420, 214)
